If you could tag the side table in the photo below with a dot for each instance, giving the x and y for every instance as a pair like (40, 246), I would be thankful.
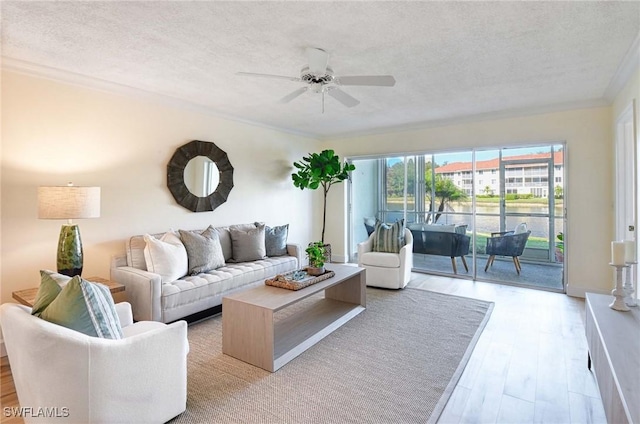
(28, 296)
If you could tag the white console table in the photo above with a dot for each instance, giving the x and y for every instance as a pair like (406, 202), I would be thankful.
(613, 339)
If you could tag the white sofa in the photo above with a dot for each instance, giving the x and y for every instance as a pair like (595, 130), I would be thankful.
(153, 300)
(70, 377)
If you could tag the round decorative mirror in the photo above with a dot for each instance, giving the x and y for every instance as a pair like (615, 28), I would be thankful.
(200, 176)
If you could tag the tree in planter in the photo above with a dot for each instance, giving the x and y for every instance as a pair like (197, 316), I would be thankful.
(322, 169)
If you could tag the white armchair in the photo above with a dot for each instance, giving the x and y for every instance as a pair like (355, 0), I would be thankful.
(141, 378)
(387, 270)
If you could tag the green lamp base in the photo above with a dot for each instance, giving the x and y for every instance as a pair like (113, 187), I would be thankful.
(70, 251)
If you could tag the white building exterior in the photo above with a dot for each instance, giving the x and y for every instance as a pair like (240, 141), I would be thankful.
(524, 174)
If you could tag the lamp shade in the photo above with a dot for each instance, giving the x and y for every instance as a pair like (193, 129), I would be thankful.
(68, 202)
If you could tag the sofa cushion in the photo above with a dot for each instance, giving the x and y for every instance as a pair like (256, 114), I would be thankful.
(388, 237)
(203, 249)
(248, 245)
(381, 260)
(275, 240)
(443, 228)
(85, 307)
(50, 287)
(191, 289)
(461, 229)
(166, 256)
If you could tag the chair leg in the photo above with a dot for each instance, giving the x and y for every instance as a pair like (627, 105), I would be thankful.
(515, 263)
(464, 262)
(489, 262)
(519, 264)
(453, 264)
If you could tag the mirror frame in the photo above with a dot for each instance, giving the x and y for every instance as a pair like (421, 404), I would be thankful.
(175, 176)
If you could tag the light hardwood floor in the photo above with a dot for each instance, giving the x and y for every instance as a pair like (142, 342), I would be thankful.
(529, 366)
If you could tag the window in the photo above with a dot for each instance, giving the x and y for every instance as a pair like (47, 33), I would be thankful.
(447, 188)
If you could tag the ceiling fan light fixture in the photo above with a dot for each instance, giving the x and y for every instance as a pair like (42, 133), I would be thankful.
(317, 87)
(318, 78)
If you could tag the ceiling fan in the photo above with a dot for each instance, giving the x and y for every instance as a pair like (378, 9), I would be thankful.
(318, 77)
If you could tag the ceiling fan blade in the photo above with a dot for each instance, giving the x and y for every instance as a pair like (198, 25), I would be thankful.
(251, 74)
(318, 60)
(373, 80)
(343, 97)
(293, 95)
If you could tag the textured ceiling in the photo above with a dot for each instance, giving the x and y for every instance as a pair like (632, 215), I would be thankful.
(451, 60)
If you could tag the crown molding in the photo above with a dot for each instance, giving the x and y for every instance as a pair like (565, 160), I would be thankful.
(84, 81)
(630, 64)
(489, 116)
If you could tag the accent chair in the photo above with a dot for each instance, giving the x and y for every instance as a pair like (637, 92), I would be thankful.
(387, 270)
(139, 378)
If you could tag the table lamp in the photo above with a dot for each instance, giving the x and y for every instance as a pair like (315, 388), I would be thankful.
(69, 202)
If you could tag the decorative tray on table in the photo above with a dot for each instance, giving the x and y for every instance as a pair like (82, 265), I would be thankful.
(296, 280)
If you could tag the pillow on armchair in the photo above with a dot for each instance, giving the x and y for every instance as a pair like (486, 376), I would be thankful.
(388, 238)
(80, 305)
(370, 224)
(520, 228)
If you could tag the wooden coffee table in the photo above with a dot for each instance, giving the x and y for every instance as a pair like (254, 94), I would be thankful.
(250, 333)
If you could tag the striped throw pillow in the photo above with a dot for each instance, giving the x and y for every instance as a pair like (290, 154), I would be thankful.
(85, 307)
(388, 238)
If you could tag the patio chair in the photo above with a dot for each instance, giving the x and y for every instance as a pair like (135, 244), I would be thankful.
(506, 243)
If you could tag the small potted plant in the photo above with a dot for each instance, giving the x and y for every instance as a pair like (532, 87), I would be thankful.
(315, 253)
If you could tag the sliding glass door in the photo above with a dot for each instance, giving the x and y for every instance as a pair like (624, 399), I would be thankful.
(456, 204)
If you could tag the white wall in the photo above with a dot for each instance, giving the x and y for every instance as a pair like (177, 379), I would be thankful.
(53, 133)
(589, 165)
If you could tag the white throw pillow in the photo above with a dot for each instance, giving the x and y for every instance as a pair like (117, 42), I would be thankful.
(166, 257)
(520, 228)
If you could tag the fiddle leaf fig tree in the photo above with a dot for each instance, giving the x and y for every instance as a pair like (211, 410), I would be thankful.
(322, 169)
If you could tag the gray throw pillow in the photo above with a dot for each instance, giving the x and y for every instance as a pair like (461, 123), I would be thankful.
(388, 238)
(275, 240)
(248, 245)
(203, 250)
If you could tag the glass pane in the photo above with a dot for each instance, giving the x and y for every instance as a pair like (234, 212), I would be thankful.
(448, 185)
(394, 189)
(364, 200)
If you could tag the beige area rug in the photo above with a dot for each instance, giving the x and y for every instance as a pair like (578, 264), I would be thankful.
(396, 362)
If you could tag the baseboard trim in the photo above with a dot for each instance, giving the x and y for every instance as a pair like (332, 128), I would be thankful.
(577, 291)
(341, 259)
